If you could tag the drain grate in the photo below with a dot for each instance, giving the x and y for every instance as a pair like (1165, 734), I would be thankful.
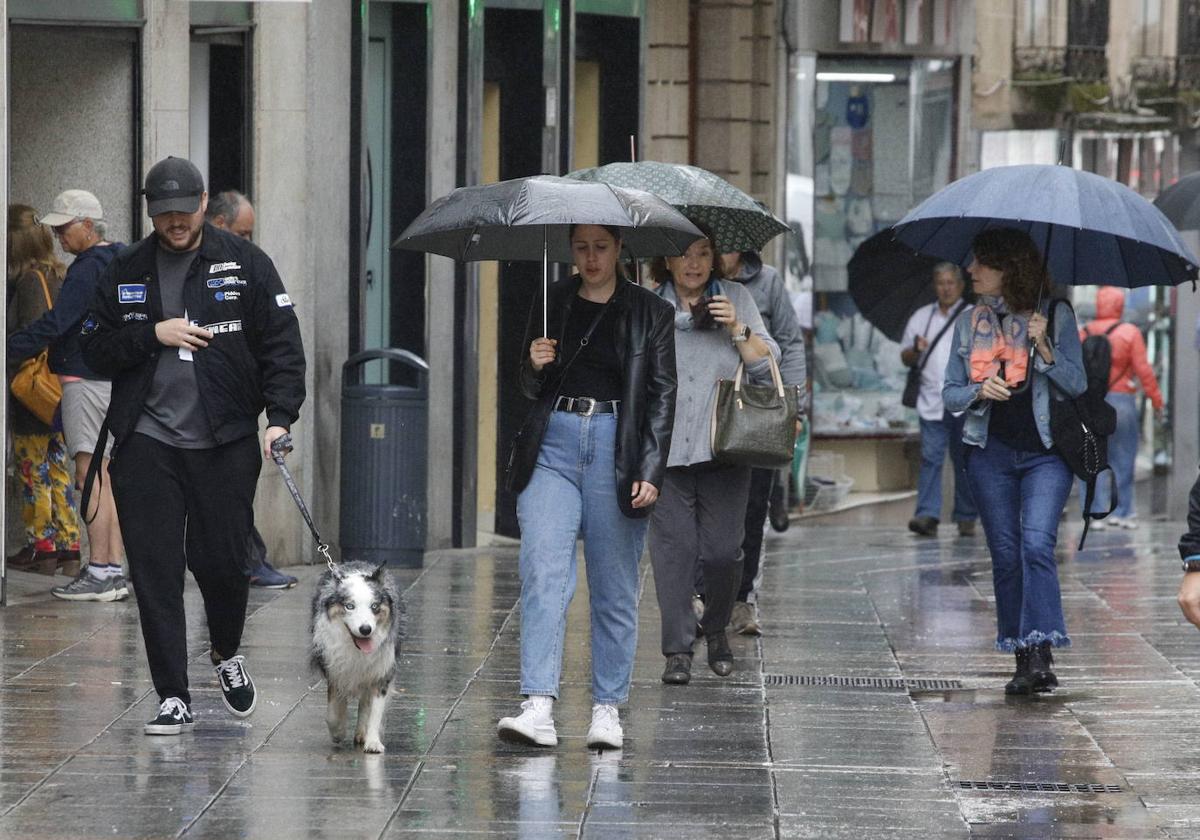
(1041, 787)
(880, 683)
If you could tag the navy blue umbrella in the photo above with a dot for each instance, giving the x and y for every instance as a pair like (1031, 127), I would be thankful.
(1090, 229)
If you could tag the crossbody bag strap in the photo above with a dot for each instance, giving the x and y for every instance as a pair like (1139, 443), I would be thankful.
(949, 323)
(45, 289)
(583, 342)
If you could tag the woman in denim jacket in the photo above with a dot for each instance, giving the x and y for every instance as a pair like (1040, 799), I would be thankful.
(1015, 473)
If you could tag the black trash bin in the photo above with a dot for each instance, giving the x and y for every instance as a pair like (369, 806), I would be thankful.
(384, 446)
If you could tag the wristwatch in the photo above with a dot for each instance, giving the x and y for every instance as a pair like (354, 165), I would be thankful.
(743, 334)
(1191, 564)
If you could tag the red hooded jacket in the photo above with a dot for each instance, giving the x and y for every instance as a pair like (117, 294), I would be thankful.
(1128, 347)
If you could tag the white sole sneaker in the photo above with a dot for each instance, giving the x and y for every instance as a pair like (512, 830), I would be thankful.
(605, 740)
(168, 729)
(517, 731)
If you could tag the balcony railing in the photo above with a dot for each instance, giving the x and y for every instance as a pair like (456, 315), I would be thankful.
(1154, 70)
(1083, 64)
(1039, 61)
(1187, 72)
(1087, 64)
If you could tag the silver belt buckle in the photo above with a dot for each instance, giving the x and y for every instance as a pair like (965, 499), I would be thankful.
(591, 405)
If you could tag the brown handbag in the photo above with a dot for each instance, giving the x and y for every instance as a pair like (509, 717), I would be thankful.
(34, 386)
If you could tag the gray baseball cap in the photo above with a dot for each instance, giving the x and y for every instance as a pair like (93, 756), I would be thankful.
(173, 185)
(70, 205)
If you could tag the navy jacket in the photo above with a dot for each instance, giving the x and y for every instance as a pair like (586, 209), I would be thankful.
(59, 327)
(255, 360)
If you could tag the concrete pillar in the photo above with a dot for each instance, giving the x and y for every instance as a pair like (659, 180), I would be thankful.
(665, 90)
(1185, 396)
(440, 273)
(283, 203)
(328, 170)
(4, 253)
(165, 80)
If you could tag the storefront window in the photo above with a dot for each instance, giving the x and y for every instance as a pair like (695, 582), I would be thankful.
(882, 141)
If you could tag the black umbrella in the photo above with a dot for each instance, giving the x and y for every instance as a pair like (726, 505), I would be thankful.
(1180, 202)
(531, 218)
(889, 281)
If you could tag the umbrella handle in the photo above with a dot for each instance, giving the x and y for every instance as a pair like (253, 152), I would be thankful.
(545, 286)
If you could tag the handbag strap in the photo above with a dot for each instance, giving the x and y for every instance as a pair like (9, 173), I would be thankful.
(949, 323)
(775, 375)
(45, 288)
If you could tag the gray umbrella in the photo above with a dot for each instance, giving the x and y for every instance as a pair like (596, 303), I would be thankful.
(737, 221)
(1180, 202)
(531, 218)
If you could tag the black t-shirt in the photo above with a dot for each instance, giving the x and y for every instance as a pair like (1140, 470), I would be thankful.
(597, 371)
(1012, 421)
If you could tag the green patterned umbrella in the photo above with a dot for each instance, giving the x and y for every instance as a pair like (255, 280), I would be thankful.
(738, 222)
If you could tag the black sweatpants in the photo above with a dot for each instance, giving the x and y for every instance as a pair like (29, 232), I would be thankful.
(697, 524)
(762, 481)
(190, 508)
(1189, 543)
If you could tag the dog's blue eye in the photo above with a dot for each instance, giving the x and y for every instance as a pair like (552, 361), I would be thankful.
(349, 605)
(375, 607)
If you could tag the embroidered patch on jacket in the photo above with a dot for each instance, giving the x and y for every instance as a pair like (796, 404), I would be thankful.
(283, 300)
(222, 282)
(225, 266)
(228, 294)
(131, 292)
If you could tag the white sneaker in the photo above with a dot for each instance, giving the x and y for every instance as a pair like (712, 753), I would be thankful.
(605, 731)
(535, 724)
(1129, 524)
(1100, 524)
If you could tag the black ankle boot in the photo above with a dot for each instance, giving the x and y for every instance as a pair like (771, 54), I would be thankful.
(1022, 681)
(1041, 662)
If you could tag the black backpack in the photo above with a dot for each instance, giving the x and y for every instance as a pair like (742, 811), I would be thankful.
(1097, 359)
(1081, 426)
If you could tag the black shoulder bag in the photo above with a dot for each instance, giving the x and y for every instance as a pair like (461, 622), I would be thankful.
(1080, 427)
(912, 382)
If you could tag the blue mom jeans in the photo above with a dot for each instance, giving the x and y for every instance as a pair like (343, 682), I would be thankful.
(573, 493)
(1021, 496)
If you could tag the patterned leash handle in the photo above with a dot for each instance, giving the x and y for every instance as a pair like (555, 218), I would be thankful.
(280, 447)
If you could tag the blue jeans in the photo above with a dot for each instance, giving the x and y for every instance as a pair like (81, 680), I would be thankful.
(1122, 457)
(573, 493)
(936, 435)
(1021, 496)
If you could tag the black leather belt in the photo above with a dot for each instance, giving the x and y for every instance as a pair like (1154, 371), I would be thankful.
(586, 406)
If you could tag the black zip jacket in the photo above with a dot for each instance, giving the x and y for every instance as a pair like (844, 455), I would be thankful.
(644, 333)
(255, 359)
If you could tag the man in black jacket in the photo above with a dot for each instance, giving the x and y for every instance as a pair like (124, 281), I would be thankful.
(199, 336)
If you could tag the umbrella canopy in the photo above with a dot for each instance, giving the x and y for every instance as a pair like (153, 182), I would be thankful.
(1180, 202)
(889, 281)
(530, 219)
(1090, 229)
(737, 221)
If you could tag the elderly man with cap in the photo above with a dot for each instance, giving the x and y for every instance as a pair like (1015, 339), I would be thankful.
(232, 211)
(77, 220)
(199, 336)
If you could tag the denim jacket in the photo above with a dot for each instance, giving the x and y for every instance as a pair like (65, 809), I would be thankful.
(961, 394)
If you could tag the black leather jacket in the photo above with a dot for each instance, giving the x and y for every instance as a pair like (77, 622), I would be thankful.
(645, 339)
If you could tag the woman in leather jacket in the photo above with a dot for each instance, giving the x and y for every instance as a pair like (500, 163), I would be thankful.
(589, 462)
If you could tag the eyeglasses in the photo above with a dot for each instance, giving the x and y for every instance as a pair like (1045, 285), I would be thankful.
(59, 230)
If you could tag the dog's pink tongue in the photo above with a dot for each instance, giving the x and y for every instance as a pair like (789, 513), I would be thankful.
(365, 645)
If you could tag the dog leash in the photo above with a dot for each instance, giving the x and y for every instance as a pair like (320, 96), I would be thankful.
(280, 447)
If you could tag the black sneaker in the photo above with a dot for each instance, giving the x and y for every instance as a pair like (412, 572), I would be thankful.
(173, 718)
(237, 689)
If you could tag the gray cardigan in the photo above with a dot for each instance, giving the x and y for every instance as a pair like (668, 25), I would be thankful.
(701, 358)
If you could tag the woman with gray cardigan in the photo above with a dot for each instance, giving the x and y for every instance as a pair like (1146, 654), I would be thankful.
(700, 516)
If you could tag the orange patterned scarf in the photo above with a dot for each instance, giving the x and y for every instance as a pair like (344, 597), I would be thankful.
(996, 342)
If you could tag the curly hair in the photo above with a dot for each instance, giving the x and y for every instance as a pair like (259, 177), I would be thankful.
(659, 272)
(1013, 253)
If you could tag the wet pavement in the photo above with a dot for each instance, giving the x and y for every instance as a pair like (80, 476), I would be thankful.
(872, 708)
